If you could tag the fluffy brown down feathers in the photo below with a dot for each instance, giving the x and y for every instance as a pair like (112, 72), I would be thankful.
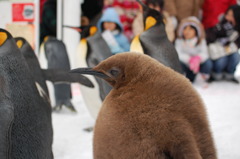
(152, 112)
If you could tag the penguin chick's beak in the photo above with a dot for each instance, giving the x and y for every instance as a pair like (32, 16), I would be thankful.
(90, 71)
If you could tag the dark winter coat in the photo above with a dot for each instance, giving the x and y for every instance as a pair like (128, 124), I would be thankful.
(224, 31)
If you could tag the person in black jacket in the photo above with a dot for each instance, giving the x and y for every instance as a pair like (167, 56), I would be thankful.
(226, 33)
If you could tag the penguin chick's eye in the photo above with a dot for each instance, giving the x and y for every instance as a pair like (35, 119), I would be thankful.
(114, 72)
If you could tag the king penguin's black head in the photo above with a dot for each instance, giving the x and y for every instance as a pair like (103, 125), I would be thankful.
(84, 31)
(7, 43)
(4, 36)
(88, 31)
(24, 47)
(20, 42)
(151, 16)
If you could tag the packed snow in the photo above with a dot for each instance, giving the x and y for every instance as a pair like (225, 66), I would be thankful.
(222, 101)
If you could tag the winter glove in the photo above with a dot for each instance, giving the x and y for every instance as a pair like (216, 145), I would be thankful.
(194, 63)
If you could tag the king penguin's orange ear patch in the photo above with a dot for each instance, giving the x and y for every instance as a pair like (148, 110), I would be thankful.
(45, 38)
(3, 38)
(93, 30)
(19, 43)
(149, 22)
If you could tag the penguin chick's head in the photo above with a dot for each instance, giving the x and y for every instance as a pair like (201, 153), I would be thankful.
(122, 69)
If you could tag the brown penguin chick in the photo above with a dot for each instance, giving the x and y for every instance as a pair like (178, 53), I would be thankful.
(152, 112)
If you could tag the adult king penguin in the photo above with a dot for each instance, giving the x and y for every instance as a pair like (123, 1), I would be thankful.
(92, 50)
(43, 75)
(57, 58)
(154, 41)
(25, 119)
(151, 112)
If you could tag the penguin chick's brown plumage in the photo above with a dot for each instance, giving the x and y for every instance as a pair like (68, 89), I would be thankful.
(152, 112)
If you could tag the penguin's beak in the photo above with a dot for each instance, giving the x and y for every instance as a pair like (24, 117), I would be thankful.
(78, 29)
(90, 71)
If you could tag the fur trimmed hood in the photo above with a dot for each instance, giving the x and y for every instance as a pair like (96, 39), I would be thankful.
(193, 21)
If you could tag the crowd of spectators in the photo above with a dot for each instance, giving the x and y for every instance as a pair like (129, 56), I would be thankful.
(204, 32)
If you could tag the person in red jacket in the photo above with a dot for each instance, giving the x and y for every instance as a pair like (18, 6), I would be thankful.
(213, 11)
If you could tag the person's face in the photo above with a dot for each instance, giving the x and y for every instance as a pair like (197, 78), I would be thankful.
(109, 26)
(189, 32)
(230, 17)
(157, 7)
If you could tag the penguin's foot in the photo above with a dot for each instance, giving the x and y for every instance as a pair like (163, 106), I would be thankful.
(90, 129)
(68, 104)
(71, 107)
(57, 108)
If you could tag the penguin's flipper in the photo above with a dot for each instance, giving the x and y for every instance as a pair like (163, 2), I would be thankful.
(63, 76)
(136, 45)
(71, 107)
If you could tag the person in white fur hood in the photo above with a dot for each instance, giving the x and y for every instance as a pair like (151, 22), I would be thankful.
(192, 49)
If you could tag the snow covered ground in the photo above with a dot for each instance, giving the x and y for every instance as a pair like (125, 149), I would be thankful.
(222, 100)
